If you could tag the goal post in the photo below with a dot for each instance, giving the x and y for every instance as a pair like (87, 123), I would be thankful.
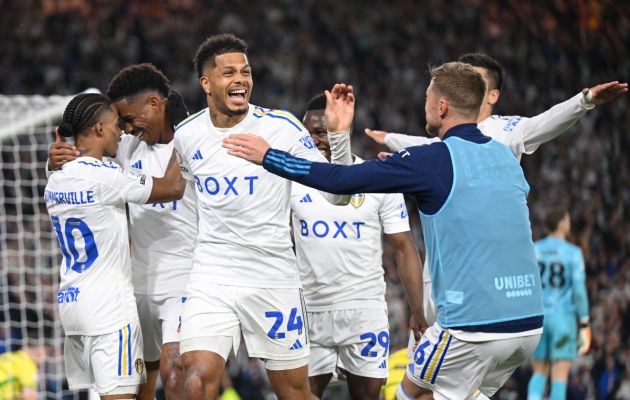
(29, 253)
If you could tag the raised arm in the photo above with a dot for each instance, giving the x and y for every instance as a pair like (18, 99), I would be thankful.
(552, 123)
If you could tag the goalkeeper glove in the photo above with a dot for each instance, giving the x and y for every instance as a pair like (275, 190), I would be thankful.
(584, 341)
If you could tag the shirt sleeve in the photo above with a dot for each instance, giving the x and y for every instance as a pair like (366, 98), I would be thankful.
(401, 172)
(530, 133)
(26, 371)
(393, 214)
(182, 158)
(398, 141)
(580, 295)
(125, 186)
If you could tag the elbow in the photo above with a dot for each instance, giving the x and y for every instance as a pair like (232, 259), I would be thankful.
(179, 189)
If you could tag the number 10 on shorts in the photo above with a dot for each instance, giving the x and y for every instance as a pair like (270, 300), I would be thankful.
(294, 323)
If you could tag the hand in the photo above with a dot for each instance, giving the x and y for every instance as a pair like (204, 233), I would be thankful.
(606, 91)
(339, 107)
(60, 152)
(247, 146)
(377, 136)
(418, 325)
(383, 155)
(584, 341)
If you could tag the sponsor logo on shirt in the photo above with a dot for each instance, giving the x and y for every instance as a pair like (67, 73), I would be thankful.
(69, 295)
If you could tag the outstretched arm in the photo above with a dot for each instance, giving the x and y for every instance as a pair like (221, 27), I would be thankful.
(398, 141)
(397, 173)
(552, 123)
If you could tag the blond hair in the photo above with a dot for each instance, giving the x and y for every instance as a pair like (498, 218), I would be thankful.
(462, 86)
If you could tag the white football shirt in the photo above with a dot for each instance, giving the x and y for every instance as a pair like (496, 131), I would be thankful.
(244, 235)
(86, 203)
(522, 135)
(163, 235)
(339, 248)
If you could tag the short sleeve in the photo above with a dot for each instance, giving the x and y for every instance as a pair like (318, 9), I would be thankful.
(302, 146)
(125, 186)
(393, 214)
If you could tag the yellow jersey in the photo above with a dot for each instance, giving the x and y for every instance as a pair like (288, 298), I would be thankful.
(17, 371)
(397, 365)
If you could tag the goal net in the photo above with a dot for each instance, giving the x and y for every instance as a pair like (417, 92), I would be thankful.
(29, 253)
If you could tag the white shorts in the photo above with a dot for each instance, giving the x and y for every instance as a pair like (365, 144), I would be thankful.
(272, 321)
(354, 340)
(159, 319)
(110, 363)
(454, 369)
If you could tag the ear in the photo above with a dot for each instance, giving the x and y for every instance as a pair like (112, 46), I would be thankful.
(155, 102)
(493, 96)
(98, 129)
(443, 107)
(205, 83)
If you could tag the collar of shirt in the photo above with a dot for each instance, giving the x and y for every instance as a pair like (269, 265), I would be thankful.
(468, 132)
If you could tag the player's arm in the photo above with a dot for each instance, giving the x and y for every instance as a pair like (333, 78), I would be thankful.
(171, 186)
(410, 273)
(400, 172)
(398, 141)
(542, 128)
(60, 153)
(580, 299)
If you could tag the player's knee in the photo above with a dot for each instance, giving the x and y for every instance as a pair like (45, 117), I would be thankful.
(401, 394)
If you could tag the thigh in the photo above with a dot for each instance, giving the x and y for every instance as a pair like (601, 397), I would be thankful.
(451, 368)
(170, 311)
(117, 360)
(507, 354)
(362, 336)
(274, 323)
(563, 340)
(151, 327)
(210, 322)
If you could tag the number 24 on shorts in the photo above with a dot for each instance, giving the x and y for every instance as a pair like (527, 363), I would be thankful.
(293, 324)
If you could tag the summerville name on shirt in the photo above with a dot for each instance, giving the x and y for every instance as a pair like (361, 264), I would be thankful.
(86, 197)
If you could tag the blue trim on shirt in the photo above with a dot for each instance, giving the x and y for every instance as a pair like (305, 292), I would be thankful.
(518, 325)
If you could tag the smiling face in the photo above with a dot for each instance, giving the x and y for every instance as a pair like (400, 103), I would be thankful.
(315, 123)
(144, 116)
(228, 84)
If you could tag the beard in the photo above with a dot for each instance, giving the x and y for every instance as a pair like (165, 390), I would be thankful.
(432, 130)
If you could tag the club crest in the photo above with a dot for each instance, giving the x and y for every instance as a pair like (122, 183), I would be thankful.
(357, 199)
(139, 364)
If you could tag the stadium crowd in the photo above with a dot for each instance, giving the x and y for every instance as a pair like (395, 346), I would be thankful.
(297, 49)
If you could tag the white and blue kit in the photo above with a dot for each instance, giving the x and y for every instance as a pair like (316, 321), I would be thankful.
(339, 256)
(565, 298)
(86, 203)
(162, 245)
(244, 276)
(471, 194)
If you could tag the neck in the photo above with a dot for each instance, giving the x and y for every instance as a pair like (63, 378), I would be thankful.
(221, 120)
(558, 235)
(484, 112)
(88, 148)
(167, 135)
(451, 122)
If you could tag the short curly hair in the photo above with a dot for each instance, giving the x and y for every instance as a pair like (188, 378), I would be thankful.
(138, 78)
(216, 45)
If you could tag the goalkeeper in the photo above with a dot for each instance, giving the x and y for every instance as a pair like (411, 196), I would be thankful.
(564, 298)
